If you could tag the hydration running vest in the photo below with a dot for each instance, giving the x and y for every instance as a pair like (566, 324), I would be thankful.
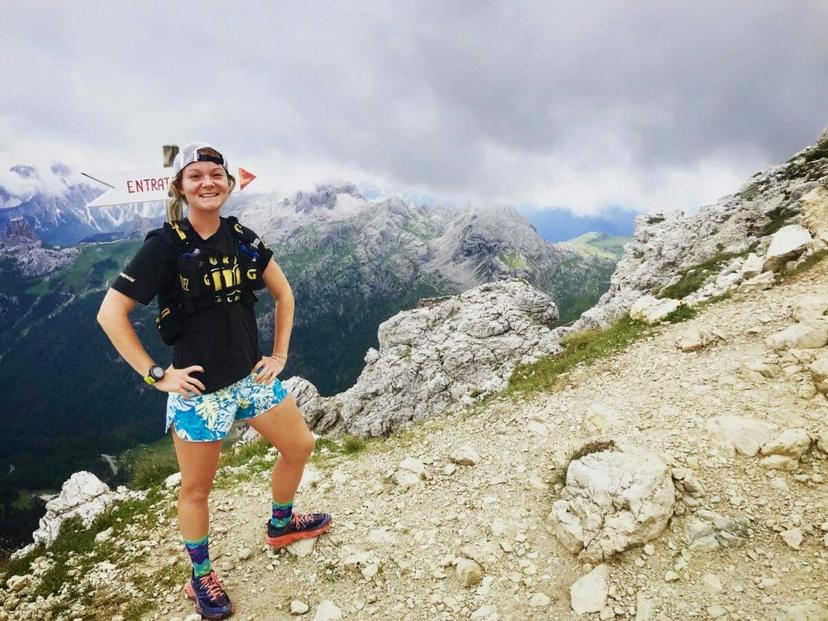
(203, 280)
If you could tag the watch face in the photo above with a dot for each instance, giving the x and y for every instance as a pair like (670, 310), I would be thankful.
(157, 373)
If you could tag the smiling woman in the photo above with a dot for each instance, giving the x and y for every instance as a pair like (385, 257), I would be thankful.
(204, 270)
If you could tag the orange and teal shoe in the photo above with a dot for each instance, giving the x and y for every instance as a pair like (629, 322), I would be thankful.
(211, 599)
(301, 526)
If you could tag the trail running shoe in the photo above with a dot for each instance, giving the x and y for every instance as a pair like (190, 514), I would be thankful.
(210, 597)
(301, 526)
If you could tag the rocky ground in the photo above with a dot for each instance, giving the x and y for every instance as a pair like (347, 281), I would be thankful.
(451, 518)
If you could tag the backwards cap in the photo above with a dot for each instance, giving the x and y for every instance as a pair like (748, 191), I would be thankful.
(194, 152)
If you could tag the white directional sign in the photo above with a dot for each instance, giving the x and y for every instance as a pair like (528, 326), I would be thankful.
(141, 186)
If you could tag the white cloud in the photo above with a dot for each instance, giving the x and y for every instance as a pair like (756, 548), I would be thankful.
(636, 103)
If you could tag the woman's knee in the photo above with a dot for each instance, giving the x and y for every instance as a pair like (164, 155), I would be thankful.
(195, 491)
(301, 449)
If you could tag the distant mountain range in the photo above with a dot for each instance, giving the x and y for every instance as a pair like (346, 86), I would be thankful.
(55, 207)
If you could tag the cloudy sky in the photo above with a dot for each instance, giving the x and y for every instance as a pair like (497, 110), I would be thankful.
(585, 105)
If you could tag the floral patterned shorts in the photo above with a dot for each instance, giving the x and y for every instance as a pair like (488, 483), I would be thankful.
(207, 418)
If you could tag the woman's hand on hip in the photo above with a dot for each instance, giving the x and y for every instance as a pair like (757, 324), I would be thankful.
(181, 382)
(267, 369)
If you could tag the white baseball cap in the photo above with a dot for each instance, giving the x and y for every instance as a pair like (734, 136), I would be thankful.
(197, 152)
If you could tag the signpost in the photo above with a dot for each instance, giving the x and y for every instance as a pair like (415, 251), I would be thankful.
(141, 186)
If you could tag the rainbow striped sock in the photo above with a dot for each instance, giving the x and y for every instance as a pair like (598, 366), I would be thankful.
(199, 551)
(282, 512)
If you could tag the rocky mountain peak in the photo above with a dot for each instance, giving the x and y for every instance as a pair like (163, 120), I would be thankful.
(25, 171)
(17, 230)
(325, 196)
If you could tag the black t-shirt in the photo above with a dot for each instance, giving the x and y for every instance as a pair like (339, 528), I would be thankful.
(222, 338)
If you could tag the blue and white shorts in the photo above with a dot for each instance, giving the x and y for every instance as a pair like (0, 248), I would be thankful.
(207, 418)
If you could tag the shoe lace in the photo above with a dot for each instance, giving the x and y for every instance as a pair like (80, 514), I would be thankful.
(210, 583)
(300, 520)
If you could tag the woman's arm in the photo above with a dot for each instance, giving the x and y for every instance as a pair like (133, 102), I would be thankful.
(278, 286)
(269, 367)
(113, 317)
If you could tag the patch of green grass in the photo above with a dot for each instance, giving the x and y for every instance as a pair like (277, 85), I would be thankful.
(351, 445)
(682, 313)
(777, 219)
(513, 259)
(241, 455)
(131, 511)
(610, 247)
(819, 151)
(92, 268)
(331, 447)
(696, 276)
(582, 348)
(72, 539)
(806, 264)
(18, 566)
(326, 443)
(149, 464)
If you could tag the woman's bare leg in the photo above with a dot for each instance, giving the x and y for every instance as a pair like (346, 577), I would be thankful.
(198, 462)
(284, 427)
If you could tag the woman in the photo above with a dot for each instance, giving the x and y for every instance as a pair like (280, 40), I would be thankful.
(204, 269)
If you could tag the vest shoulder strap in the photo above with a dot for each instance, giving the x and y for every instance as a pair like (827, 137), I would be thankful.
(176, 235)
(244, 235)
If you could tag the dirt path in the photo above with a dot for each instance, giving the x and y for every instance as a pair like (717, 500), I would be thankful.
(653, 396)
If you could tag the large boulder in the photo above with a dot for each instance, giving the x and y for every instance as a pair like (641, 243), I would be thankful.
(815, 212)
(790, 443)
(819, 373)
(589, 593)
(808, 610)
(650, 309)
(708, 530)
(740, 434)
(811, 335)
(613, 500)
(787, 244)
(752, 266)
(810, 308)
(83, 495)
(449, 352)
(695, 339)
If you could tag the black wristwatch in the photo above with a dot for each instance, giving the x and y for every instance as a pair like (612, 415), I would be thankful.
(156, 374)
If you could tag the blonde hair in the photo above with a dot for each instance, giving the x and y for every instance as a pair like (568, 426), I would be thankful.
(176, 202)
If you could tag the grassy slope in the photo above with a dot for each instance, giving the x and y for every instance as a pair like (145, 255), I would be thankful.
(609, 247)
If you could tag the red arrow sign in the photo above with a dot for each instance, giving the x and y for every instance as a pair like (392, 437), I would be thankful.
(245, 177)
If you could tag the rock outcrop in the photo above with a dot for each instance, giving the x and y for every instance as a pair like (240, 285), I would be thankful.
(613, 500)
(448, 353)
(83, 495)
(777, 218)
(20, 243)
